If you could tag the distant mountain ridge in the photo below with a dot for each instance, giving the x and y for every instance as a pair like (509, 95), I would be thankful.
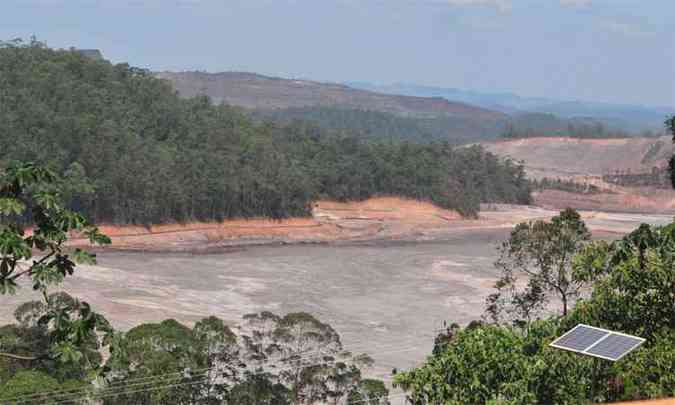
(418, 114)
(619, 116)
(343, 108)
(255, 91)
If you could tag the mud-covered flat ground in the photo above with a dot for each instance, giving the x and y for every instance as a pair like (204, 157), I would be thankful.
(385, 298)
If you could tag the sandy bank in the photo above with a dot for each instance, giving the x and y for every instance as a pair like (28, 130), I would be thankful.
(331, 221)
(385, 218)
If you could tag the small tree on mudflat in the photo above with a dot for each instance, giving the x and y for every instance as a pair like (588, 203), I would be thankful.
(541, 253)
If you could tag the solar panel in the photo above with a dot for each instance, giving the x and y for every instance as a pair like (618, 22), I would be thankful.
(614, 346)
(580, 338)
(597, 342)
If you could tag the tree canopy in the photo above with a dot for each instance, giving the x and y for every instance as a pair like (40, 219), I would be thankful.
(275, 360)
(541, 252)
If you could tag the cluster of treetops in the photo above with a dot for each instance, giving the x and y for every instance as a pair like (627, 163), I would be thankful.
(658, 177)
(595, 130)
(273, 360)
(568, 185)
(380, 125)
(132, 151)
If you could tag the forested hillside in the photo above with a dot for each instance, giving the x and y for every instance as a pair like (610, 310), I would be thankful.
(132, 151)
(376, 125)
(454, 130)
(536, 125)
(335, 106)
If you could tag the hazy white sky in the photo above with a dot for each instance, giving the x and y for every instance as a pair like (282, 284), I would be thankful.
(606, 50)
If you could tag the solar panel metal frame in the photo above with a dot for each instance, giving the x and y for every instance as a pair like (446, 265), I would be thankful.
(607, 334)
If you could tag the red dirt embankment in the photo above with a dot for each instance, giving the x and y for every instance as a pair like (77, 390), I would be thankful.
(168, 235)
(383, 217)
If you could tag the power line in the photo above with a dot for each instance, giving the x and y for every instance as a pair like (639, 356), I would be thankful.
(151, 380)
(93, 390)
(105, 395)
(304, 356)
(65, 401)
(305, 361)
(193, 383)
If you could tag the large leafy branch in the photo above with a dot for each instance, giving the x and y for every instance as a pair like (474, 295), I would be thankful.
(34, 229)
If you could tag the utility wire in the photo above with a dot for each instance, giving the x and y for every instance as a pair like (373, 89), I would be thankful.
(389, 397)
(304, 356)
(205, 375)
(303, 361)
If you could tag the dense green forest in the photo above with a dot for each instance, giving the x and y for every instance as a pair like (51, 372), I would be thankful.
(534, 125)
(457, 131)
(134, 152)
(367, 124)
(377, 125)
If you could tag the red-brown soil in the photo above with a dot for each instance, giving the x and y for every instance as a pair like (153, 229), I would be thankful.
(585, 161)
(567, 157)
(384, 217)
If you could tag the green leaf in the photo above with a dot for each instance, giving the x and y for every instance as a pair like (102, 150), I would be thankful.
(7, 286)
(48, 200)
(83, 257)
(11, 206)
(45, 275)
(66, 352)
(96, 237)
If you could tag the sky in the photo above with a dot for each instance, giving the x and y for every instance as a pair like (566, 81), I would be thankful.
(620, 51)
